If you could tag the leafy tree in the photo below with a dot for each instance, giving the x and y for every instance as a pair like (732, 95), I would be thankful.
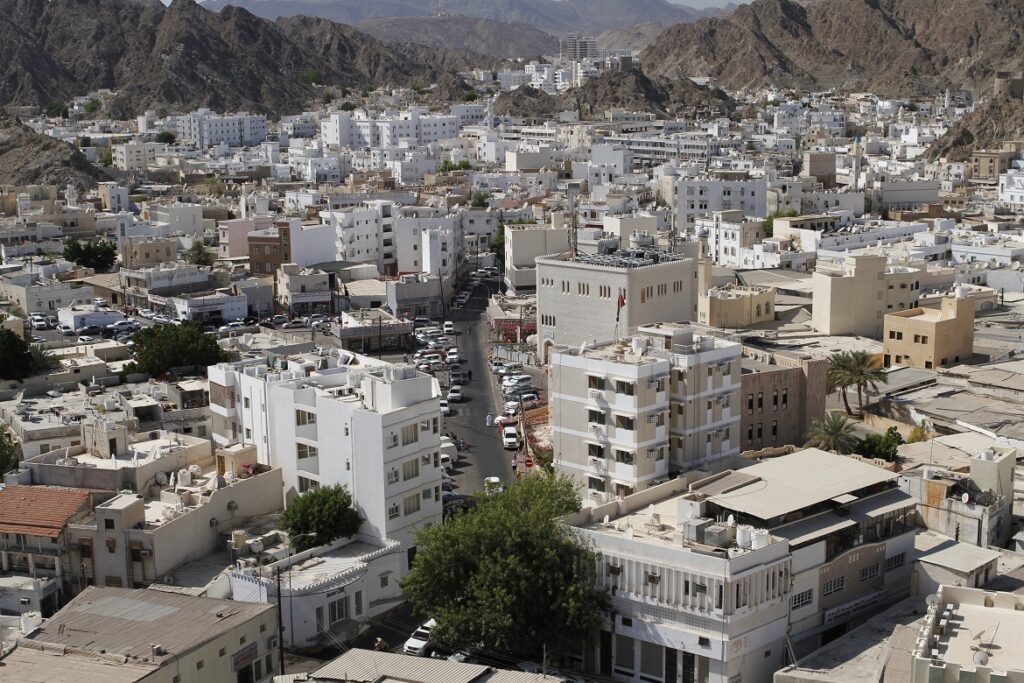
(15, 356)
(41, 359)
(834, 432)
(163, 347)
(839, 378)
(8, 451)
(107, 157)
(510, 577)
(769, 221)
(92, 106)
(57, 110)
(919, 433)
(882, 446)
(166, 137)
(447, 166)
(100, 255)
(320, 516)
(347, 106)
(198, 255)
(327, 98)
(480, 200)
(866, 373)
(469, 96)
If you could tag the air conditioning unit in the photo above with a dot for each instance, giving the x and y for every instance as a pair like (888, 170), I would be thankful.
(594, 461)
(595, 429)
(652, 452)
(595, 393)
(214, 521)
(652, 419)
(653, 384)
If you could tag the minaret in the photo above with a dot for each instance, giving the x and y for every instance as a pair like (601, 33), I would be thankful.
(71, 195)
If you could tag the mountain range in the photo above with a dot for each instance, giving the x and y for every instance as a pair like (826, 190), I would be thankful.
(553, 16)
(500, 39)
(183, 56)
(891, 47)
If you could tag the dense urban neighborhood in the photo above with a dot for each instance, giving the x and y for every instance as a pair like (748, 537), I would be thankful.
(564, 349)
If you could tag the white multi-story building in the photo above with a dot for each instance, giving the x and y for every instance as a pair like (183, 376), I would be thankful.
(360, 129)
(205, 129)
(589, 297)
(1011, 189)
(629, 414)
(374, 428)
(696, 197)
(728, 235)
(716, 580)
(136, 155)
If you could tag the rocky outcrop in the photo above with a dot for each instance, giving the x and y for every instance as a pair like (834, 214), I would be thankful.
(29, 158)
(996, 121)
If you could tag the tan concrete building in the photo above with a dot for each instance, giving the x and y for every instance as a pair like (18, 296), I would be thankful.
(523, 244)
(629, 414)
(851, 297)
(929, 338)
(139, 252)
(734, 306)
(780, 395)
(988, 164)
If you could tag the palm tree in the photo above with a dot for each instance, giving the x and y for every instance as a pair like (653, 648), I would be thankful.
(41, 359)
(866, 373)
(834, 432)
(839, 378)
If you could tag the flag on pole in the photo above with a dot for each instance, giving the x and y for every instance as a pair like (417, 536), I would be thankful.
(621, 303)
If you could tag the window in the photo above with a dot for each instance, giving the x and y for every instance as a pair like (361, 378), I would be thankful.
(393, 476)
(338, 610)
(785, 399)
(411, 504)
(199, 665)
(625, 388)
(595, 484)
(221, 652)
(108, 524)
(306, 484)
(596, 416)
(869, 572)
(895, 562)
(802, 598)
(359, 602)
(393, 511)
(384, 580)
(410, 469)
(595, 450)
(303, 451)
(595, 383)
(245, 401)
(625, 457)
(624, 422)
(303, 417)
(750, 404)
(775, 427)
(775, 399)
(760, 401)
(834, 585)
(410, 434)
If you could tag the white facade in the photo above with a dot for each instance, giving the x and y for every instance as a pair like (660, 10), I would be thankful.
(206, 129)
(1011, 189)
(360, 129)
(136, 156)
(696, 197)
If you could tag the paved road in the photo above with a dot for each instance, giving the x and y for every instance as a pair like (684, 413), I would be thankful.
(485, 456)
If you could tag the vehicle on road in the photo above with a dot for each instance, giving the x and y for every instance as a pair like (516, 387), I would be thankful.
(89, 330)
(419, 643)
(233, 325)
(292, 325)
(161, 319)
(452, 356)
(510, 437)
(147, 313)
(66, 330)
(455, 394)
(446, 408)
(86, 339)
(314, 318)
(124, 326)
(456, 377)
(514, 392)
(514, 380)
(448, 327)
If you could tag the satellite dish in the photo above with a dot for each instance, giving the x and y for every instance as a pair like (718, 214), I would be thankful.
(932, 600)
(606, 520)
(1015, 265)
(981, 658)
(256, 546)
(731, 521)
(966, 498)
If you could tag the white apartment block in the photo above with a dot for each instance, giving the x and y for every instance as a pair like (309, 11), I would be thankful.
(205, 129)
(831, 233)
(627, 415)
(523, 244)
(993, 249)
(136, 155)
(648, 149)
(360, 129)
(728, 234)
(711, 582)
(1011, 189)
(374, 428)
(696, 197)
(578, 298)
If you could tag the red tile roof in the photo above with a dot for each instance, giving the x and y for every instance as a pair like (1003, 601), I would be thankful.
(39, 510)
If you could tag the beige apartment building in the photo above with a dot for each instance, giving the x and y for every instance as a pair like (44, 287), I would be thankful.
(523, 244)
(735, 306)
(780, 395)
(852, 296)
(627, 415)
(929, 338)
(145, 251)
(578, 298)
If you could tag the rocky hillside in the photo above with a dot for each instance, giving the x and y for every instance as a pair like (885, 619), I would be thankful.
(28, 158)
(633, 38)
(504, 40)
(552, 16)
(996, 121)
(893, 47)
(185, 56)
(630, 90)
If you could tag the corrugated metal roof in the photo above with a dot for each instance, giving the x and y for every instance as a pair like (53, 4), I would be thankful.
(39, 510)
(128, 621)
(367, 666)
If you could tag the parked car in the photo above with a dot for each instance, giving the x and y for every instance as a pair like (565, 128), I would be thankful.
(455, 394)
(66, 330)
(314, 318)
(446, 408)
(161, 319)
(456, 378)
(146, 313)
(514, 380)
(510, 437)
(292, 324)
(509, 369)
(514, 392)
(40, 324)
(452, 356)
(279, 319)
(419, 643)
(86, 339)
(123, 326)
(90, 330)
(233, 325)
(448, 327)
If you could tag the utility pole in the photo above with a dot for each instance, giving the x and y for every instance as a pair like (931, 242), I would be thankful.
(380, 343)
(280, 625)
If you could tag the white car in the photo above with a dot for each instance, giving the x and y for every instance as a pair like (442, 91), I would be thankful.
(123, 326)
(510, 437)
(452, 356)
(448, 327)
(161, 319)
(516, 380)
(419, 642)
(66, 330)
(146, 313)
(85, 339)
(455, 394)
(233, 325)
(446, 408)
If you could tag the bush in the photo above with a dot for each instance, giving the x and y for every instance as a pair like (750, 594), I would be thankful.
(164, 347)
(320, 516)
(99, 255)
(166, 137)
(15, 356)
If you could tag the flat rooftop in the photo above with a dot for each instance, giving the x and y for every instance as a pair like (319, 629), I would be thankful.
(993, 630)
(329, 565)
(800, 480)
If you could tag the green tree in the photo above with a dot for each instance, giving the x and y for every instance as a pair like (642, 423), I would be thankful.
(41, 359)
(769, 221)
(882, 446)
(163, 347)
(510, 577)
(480, 200)
(320, 516)
(919, 433)
(107, 157)
(469, 96)
(8, 451)
(839, 378)
(92, 106)
(347, 106)
(100, 255)
(15, 356)
(198, 255)
(327, 98)
(834, 432)
(866, 373)
(57, 110)
(166, 137)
